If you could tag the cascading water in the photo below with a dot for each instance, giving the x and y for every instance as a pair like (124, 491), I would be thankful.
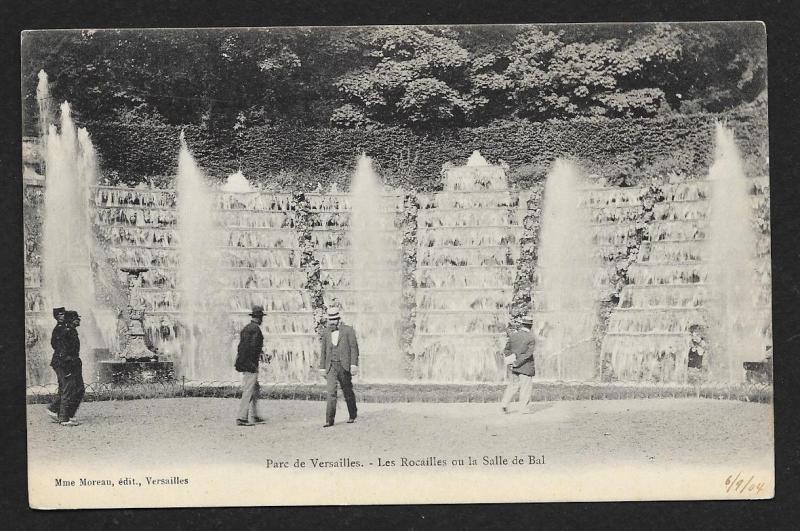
(732, 250)
(237, 183)
(376, 276)
(565, 269)
(217, 254)
(43, 99)
(71, 269)
(205, 348)
(257, 264)
(648, 335)
(468, 243)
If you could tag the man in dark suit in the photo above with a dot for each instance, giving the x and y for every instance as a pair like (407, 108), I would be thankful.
(249, 353)
(339, 362)
(519, 353)
(57, 342)
(72, 367)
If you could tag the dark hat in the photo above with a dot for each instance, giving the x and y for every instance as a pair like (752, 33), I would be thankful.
(71, 315)
(58, 310)
(258, 311)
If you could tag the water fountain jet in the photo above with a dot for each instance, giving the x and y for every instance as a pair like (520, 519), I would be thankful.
(73, 266)
(376, 276)
(732, 250)
(565, 270)
(204, 352)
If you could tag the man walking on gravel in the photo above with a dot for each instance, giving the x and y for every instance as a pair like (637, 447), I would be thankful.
(519, 356)
(72, 368)
(250, 352)
(339, 362)
(57, 342)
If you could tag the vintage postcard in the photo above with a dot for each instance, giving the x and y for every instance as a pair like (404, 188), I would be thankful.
(397, 264)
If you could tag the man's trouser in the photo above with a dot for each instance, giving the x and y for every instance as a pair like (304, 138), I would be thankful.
(521, 383)
(55, 405)
(337, 373)
(249, 399)
(72, 390)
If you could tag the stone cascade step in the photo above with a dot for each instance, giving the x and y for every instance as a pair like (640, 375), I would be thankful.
(259, 262)
(468, 245)
(671, 289)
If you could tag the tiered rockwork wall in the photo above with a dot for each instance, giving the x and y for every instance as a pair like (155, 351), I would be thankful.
(473, 248)
(260, 259)
(468, 247)
(374, 309)
(668, 287)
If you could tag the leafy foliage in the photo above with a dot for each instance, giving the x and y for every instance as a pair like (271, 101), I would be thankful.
(551, 78)
(417, 78)
(411, 76)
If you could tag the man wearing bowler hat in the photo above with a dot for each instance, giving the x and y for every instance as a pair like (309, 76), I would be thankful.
(339, 362)
(519, 357)
(57, 342)
(72, 367)
(249, 353)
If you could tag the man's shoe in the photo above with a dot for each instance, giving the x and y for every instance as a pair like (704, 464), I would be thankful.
(240, 422)
(328, 425)
(70, 422)
(351, 420)
(259, 420)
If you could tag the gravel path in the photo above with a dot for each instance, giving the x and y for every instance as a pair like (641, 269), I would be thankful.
(577, 433)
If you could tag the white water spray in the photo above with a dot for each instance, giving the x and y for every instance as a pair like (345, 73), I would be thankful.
(43, 102)
(237, 183)
(565, 269)
(205, 353)
(376, 276)
(732, 251)
(70, 262)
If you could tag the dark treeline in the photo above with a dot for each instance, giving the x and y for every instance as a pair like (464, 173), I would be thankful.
(408, 76)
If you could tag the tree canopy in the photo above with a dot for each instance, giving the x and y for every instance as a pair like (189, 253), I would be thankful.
(426, 76)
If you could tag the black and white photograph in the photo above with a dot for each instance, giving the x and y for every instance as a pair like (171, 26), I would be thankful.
(426, 264)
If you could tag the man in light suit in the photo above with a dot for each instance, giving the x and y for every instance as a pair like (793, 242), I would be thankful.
(519, 356)
(338, 363)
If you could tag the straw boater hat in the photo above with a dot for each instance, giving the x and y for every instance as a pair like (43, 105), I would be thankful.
(58, 310)
(258, 311)
(333, 314)
(527, 320)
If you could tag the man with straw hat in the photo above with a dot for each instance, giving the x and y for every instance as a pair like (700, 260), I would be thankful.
(249, 353)
(519, 357)
(339, 362)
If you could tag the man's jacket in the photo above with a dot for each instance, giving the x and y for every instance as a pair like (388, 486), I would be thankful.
(346, 351)
(251, 343)
(57, 342)
(70, 349)
(521, 343)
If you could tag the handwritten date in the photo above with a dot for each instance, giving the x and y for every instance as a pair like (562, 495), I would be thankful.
(742, 484)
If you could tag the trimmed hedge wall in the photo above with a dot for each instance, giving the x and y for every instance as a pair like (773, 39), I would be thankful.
(415, 392)
(291, 158)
